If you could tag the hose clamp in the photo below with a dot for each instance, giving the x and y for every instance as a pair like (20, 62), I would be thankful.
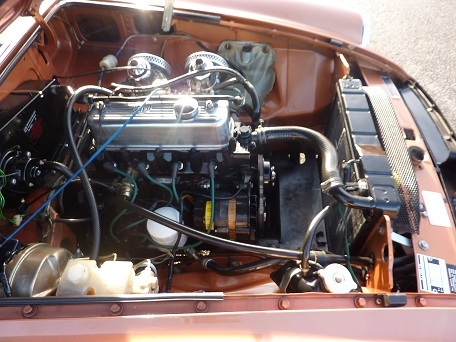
(260, 135)
(331, 183)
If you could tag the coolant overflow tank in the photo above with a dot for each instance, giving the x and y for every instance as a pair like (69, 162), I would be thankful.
(83, 277)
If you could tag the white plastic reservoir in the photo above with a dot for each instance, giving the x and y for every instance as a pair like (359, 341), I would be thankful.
(164, 235)
(83, 277)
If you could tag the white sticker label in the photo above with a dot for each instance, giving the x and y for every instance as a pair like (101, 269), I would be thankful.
(436, 209)
(433, 274)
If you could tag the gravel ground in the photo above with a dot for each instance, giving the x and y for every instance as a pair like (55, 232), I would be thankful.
(420, 36)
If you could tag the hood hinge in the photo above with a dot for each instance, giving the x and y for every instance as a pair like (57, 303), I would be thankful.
(34, 10)
(167, 15)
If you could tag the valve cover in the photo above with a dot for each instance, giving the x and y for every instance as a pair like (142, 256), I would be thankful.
(166, 122)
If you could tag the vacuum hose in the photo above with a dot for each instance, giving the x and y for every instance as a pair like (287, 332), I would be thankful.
(78, 163)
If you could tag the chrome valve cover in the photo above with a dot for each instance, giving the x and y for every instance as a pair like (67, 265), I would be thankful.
(166, 122)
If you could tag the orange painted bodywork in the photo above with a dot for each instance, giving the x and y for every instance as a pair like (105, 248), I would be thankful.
(307, 68)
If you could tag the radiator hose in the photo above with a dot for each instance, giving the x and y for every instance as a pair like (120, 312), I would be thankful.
(332, 183)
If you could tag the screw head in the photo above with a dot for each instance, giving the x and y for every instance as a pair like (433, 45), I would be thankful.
(116, 309)
(29, 311)
(360, 302)
(423, 245)
(284, 304)
(421, 302)
(201, 307)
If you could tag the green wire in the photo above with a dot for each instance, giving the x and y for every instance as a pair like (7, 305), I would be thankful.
(173, 183)
(211, 223)
(2, 199)
(163, 186)
(133, 197)
(3, 177)
(132, 180)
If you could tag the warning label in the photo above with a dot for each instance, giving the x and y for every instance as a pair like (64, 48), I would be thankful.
(452, 277)
(433, 274)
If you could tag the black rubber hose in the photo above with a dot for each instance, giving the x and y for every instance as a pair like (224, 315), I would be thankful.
(404, 270)
(310, 233)
(276, 253)
(58, 167)
(404, 260)
(352, 201)
(324, 258)
(211, 265)
(256, 112)
(78, 163)
(210, 239)
(331, 181)
(66, 171)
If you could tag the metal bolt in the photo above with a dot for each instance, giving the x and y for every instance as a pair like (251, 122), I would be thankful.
(360, 302)
(421, 302)
(378, 301)
(381, 229)
(423, 211)
(423, 245)
(209, 106)
(201, 307)
(116, 309)
(284, 304)
(29, 311)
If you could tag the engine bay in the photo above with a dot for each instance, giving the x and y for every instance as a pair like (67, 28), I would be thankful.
(169, 162)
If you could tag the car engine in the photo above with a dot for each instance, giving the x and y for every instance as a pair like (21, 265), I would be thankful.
(179, 177)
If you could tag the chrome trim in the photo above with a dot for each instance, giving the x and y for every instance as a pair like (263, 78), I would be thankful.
(367, 29)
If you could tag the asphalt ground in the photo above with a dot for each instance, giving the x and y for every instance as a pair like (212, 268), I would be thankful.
(419, 36)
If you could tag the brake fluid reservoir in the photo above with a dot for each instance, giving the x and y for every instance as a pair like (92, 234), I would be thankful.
(83, 277)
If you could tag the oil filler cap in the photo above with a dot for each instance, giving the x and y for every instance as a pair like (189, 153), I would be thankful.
(186, 108)
(337, 279)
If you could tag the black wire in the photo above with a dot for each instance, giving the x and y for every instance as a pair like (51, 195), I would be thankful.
(210, 239)
(309, 236)
(58, 167)
(254, 266)
(174, 251)
(171, 262)
(92, 181)
(72, 220)
(216, 197)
